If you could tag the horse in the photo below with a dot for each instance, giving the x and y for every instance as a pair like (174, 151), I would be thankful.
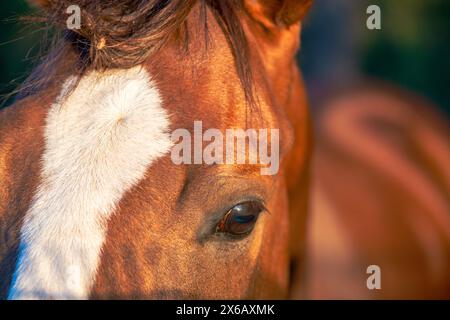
(379, 196)
(95, 204)
(92, 205)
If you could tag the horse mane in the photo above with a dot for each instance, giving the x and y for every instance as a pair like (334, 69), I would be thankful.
(124, 33)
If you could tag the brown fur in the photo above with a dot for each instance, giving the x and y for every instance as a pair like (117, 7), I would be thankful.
(21, 146)
(152, 248)
(380, 189)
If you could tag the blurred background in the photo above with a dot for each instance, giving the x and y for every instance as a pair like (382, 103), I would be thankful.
(411, 50)
(380, 103)
(380, 193)
(19, 45)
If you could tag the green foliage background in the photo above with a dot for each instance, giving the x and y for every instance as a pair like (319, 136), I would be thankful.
(18, 44)
(414, 48)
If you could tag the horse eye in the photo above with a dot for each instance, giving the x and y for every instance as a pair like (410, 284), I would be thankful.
(240, 220)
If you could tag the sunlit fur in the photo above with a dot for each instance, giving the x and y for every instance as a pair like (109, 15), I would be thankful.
(152, 237)
(99, 141)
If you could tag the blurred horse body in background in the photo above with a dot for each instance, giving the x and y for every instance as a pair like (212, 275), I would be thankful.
(380, 196)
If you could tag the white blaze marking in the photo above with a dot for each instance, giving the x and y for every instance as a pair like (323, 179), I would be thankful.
(99, 141)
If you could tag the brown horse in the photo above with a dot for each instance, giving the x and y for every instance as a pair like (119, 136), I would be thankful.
(91, 203)
(380, 195)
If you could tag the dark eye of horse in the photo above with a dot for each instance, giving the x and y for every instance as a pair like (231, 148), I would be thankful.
(240, 220)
